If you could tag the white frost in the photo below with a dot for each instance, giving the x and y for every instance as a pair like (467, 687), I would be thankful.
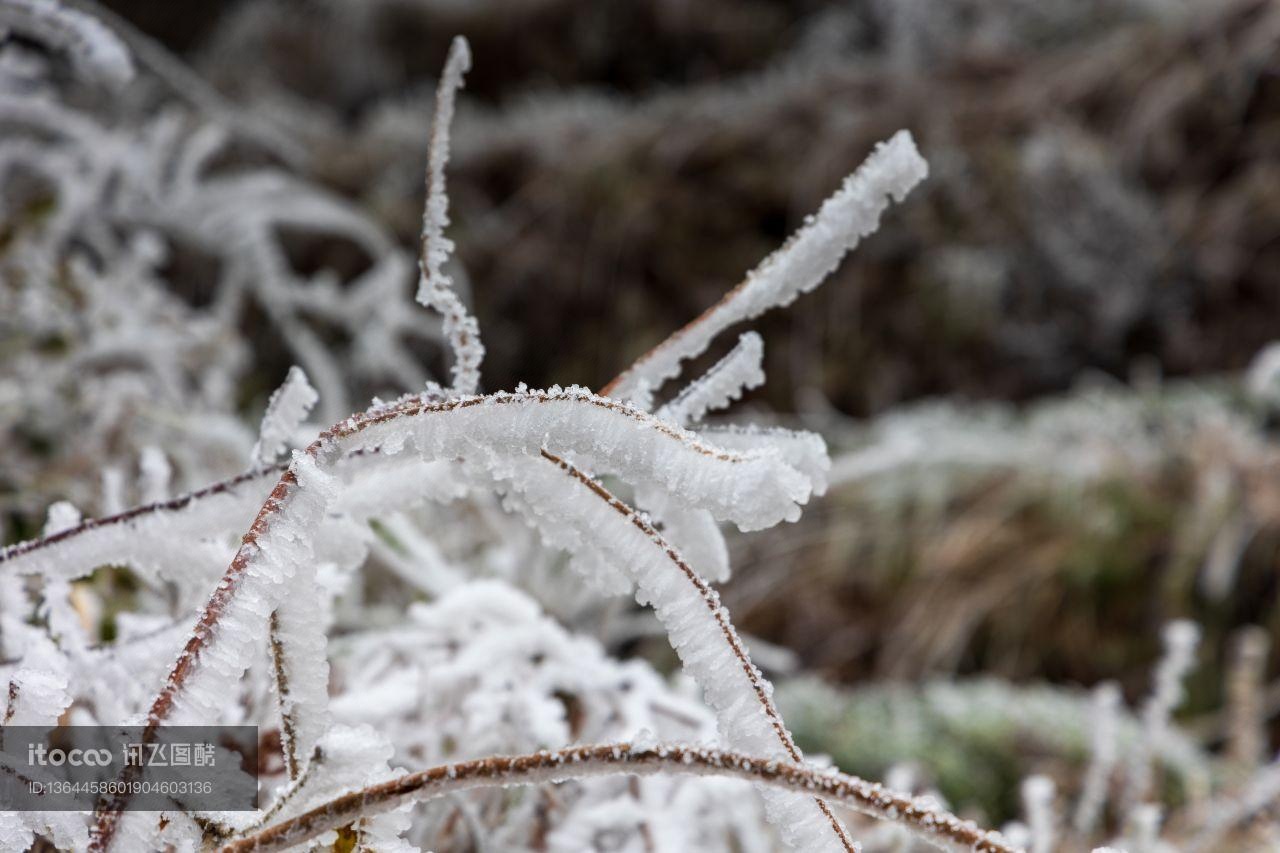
(286, 410)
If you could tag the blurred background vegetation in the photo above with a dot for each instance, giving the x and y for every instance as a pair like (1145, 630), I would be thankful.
(1104, 174)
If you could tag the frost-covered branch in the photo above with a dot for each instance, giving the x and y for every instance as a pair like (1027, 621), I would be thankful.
(149, 537)
(435, 286)
(1247, 728)
(156, 475)
(285, 662)
(921, 816)
(807, 258)
(1259, 795)
(1037, 799)
(275, 558)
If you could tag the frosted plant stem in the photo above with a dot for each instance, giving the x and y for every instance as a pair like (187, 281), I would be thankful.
(1037, 798)
(1247, 729)
(286, 410)
(280, 672)
(920, 816)
(46, 555)
(803, 262)
(435, 286)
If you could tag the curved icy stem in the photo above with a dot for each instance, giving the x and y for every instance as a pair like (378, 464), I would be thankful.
(297, 641)
(920, 816)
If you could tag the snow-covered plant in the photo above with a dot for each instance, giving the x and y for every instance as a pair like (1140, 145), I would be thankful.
(478, 672)
(421, 603)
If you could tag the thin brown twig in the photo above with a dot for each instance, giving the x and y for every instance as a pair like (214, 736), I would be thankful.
(286, 795)
(11, 703)
(703, 589)
(920, 816)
